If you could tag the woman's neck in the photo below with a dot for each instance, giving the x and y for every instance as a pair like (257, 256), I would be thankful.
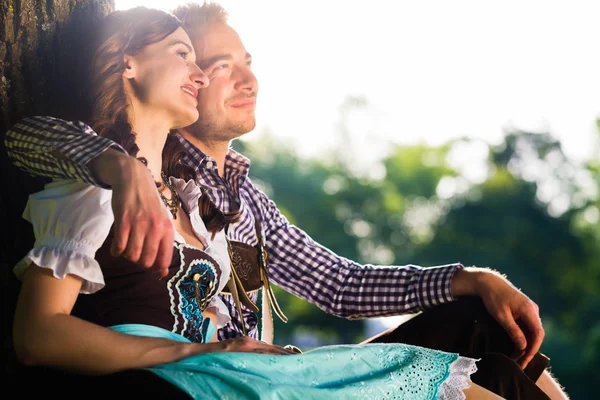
(151, 130)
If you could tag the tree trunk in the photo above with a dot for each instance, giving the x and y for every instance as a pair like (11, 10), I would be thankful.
(35, 40)
(39, 44)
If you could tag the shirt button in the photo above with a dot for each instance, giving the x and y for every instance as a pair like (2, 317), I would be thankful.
(209, 164)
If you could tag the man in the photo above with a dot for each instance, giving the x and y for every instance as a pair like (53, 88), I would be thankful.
(144, 233)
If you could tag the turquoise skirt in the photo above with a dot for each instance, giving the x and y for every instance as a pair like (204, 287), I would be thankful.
(367, 371)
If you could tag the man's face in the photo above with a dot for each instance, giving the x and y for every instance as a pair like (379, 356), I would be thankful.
(227, 105)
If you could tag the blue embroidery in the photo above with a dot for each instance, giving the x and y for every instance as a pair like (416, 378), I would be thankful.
(196, 290)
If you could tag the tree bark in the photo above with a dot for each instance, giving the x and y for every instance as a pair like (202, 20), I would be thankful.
(35, 40)
(40, 41)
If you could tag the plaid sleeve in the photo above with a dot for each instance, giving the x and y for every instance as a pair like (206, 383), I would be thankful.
(343, 287)
(55, 148)
(233, 328)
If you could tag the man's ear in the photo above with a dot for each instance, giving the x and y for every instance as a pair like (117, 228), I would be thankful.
(129, 72)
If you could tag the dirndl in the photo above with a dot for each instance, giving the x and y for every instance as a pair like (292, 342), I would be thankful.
(365, 371)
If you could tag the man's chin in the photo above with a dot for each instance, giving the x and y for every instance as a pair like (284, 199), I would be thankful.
(243, 127)
(226, 130)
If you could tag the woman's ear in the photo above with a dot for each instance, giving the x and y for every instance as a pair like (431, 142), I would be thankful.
(129, 72)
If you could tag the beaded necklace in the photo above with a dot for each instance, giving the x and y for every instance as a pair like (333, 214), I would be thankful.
(174, 202)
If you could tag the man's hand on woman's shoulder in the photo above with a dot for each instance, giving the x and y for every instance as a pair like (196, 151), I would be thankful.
(143, 231)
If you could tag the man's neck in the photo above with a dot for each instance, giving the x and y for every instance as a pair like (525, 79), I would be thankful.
(215, 149)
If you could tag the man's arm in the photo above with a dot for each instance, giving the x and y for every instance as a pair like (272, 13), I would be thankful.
(344, 288)
(55, 148)
(341, 286)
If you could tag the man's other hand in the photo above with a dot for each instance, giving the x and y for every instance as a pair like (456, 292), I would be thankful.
(515, 312)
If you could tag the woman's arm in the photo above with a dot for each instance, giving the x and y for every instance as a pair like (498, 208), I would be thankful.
(46, 334)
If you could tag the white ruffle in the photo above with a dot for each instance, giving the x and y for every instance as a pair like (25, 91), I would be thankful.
(189, 192)
(460, 372)
(62, 263)
(221, 312)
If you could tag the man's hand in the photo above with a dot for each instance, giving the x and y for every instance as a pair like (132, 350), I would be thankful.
(507, 304)
(143, 231)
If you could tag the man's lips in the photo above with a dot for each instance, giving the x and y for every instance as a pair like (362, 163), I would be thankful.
(248, 102)
(191, 90)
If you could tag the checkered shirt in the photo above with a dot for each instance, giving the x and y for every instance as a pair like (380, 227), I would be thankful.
(50, 147)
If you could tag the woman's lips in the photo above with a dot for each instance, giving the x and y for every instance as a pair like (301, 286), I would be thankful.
(189, 89)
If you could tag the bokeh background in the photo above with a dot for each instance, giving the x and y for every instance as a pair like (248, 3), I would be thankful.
(434, 132)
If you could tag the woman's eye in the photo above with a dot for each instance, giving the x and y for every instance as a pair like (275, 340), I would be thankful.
(183, 54)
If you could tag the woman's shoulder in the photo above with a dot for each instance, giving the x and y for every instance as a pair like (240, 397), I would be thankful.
(70, 203)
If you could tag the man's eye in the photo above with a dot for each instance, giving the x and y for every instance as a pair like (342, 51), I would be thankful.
(222, 66)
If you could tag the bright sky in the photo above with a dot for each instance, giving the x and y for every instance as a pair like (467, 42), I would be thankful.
(430, 70)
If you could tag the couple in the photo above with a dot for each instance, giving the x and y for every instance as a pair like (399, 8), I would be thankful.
(179, 327)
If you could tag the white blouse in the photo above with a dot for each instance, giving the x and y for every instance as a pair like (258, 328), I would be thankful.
(71, 220)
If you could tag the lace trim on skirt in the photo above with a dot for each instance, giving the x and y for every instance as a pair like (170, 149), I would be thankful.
(460, 372)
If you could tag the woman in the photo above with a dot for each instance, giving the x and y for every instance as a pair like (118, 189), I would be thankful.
(145, 83)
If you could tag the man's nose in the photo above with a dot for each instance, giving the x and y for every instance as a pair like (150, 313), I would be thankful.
(245, 79)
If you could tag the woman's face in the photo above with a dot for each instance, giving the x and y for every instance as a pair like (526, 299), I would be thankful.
(165, 79)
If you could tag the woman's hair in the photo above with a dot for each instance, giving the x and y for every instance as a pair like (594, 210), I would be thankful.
(128, 32)
(122, 32)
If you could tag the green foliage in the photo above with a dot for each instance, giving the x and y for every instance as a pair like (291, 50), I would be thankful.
(416, 171)
(516, 221)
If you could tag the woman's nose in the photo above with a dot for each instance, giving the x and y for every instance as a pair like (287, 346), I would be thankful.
(199, 77)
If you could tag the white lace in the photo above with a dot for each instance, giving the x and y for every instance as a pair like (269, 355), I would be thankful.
(460, 372)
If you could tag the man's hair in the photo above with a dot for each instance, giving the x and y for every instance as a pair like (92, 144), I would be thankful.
(194, 17)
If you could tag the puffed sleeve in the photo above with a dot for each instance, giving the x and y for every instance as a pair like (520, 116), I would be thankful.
(71, 221)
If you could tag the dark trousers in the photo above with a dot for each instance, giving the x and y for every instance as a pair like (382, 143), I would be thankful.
(466, 328)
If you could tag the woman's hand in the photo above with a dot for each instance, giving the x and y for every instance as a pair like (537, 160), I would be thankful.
(246, 344)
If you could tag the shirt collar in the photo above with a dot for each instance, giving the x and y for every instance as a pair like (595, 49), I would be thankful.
(236, 164)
